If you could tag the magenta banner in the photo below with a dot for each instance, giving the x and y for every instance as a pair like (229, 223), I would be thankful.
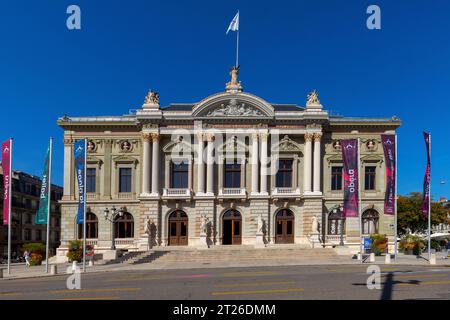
(388, 142)
(427, 179)
(351, 180)
(6, 166)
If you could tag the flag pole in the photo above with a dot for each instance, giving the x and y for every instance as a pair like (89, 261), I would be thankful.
(429, 205)
(237, 42)
(359, 203)
(395, 204)
(49, 201)
(9, 203)
(84, 206)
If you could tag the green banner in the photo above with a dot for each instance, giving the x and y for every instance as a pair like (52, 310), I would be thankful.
(41, 215)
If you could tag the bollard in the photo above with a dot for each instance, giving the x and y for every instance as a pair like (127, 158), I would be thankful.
(372, 257)
(74, 266)
(433, 258)
(53, 269)
(1, 273)
(91, 263)
(387, 258)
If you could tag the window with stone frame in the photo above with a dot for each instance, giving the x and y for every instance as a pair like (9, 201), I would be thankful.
(179, 175)
(124, 226)
(370, 221)
(91, 180)
(91, 227)
(336, 178)
(284, 174)
(232, 174)
(125, 180)
(369, 177)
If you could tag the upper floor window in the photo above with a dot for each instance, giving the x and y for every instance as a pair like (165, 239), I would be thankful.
(125, 180)
(284, 174)
(232, 175)
(370, 173)
(91, 174)
(27, 235)
(38, 235)
(336, 178)
(180, 175)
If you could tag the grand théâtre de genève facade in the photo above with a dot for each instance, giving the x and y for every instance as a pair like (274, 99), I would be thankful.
(269, 174)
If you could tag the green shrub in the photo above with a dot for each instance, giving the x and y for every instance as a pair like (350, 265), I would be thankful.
(379, 243)
(411, 242)
(75, 251)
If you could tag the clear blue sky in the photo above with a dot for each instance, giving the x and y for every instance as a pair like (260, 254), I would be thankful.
(180, 49)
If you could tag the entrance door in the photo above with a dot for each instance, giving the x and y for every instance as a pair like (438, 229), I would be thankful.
(284, 226)
(232, 228)
(178, 229)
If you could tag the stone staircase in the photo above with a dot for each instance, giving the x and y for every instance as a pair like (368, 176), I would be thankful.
(243, 254)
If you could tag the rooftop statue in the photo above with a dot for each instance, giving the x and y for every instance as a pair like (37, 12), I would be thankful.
(152, 97)
(313, 98)
(234, 84)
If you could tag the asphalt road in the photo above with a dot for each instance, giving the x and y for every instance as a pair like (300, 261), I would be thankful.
(269, 283)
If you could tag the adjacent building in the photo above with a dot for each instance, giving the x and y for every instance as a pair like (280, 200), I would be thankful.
(24, 205)
(232, 169)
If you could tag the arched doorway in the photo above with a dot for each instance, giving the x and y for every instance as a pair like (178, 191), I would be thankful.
(370, 221)
(231, 228)
(284, 226)
(124, 226)
(178, 228)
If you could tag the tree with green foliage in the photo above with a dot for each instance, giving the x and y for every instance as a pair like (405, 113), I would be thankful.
(410, 217)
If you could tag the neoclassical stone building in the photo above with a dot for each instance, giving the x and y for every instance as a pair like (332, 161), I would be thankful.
(269, 174)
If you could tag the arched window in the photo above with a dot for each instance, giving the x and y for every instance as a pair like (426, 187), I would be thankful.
(336, 222)
(370, 220)
(178, 228)
(124, 226)
(91, 227)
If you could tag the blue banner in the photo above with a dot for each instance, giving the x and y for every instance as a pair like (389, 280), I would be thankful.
(80, 161)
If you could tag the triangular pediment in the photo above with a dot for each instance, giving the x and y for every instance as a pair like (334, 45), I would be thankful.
(287, 145)
(177, 146)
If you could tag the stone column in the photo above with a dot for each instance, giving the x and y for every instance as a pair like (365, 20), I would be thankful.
(317, 156)
(155, 164)
(307, 162)
(146, 164)
(201, 167)
(68, 172)
(255, 171)
(263, 137)
(210, 164)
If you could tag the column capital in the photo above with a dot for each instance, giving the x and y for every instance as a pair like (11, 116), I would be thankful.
(317, 136)
(200, 136)
(309, 136)
(147, 136)
(255, 136)
(155, 137)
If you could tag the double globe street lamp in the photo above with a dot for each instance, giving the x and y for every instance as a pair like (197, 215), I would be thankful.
(114, 214)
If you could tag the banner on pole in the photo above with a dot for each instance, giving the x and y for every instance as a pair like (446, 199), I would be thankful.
(80, 160)
(426, 183)
(7, 170)
(351, 177)
(388, 142)
(41, 215)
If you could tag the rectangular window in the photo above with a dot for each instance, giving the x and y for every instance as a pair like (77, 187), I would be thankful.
(232, 175)
(125, 180)
(38, 235)
(370, 178)
(336, 178)
(180, 175)
(27, 235)
(91, 175)
(28, 219)
(284, 174)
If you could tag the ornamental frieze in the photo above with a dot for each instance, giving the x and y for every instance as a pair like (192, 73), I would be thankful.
(235, 109)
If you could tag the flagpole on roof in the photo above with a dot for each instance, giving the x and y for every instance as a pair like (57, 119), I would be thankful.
(237, 43)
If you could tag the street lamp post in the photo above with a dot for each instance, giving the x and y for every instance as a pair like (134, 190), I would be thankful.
(112, 219)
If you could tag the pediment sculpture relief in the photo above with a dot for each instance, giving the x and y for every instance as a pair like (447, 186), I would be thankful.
(235, 109)
(287, 144)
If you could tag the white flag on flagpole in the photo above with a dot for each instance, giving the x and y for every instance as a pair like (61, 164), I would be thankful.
(234, 24)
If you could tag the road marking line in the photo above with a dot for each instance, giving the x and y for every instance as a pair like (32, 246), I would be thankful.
(95, 290)
(88, 298)
(251, 284)
(426, 283)
(419, 276)
(248, 274)
(12, 294)
(225, 293)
